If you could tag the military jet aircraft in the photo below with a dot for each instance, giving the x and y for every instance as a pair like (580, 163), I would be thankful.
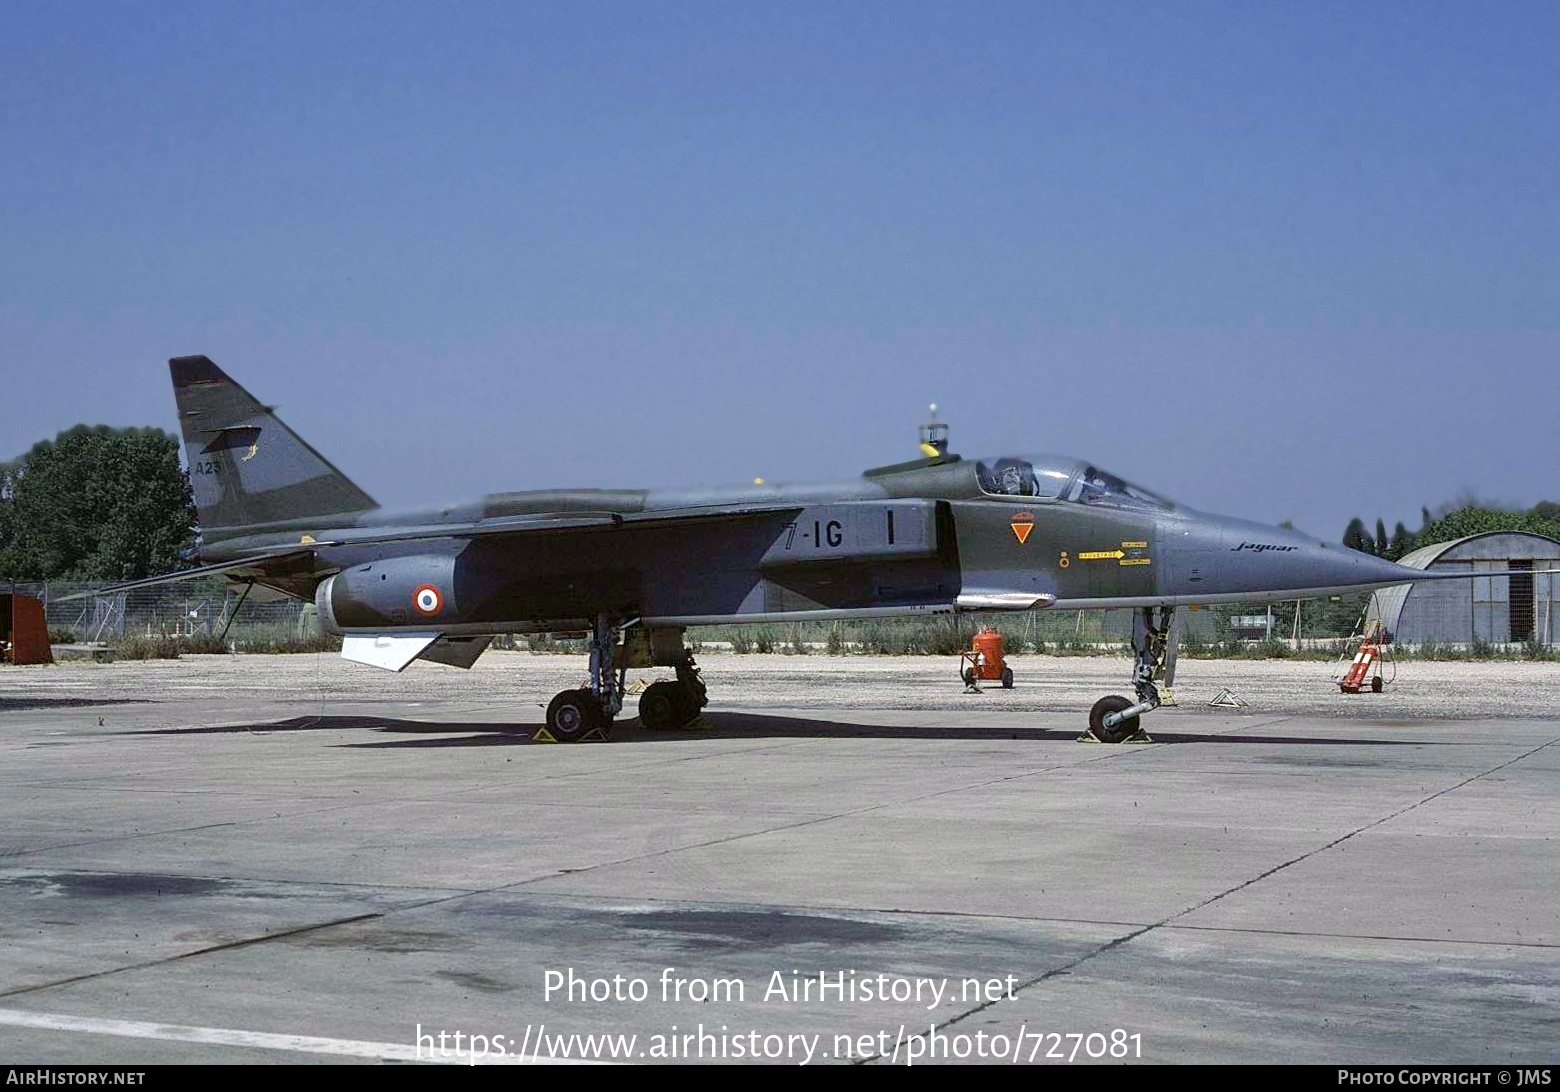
(635, 568)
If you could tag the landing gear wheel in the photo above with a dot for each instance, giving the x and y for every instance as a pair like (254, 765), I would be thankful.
(969, 676)
(1124, 731)
(573, 714)
(663, 705)
(1376, 684)
(692, 700)
(1007, 678)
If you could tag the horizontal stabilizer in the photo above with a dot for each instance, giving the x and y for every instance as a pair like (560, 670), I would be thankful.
(390, 653)
(456, 651)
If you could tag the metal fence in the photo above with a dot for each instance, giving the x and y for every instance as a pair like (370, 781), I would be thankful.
(192, 608)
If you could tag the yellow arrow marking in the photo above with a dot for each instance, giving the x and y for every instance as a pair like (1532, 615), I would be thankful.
(1102, 555)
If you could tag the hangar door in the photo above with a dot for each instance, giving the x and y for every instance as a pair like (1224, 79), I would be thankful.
(1546, 597)
(1518, 605)
(1491, 610)
(1521, 600)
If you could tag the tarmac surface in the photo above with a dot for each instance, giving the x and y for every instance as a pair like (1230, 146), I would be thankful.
(297, 859)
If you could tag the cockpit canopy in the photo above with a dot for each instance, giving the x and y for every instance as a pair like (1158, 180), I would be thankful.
(1058, 477)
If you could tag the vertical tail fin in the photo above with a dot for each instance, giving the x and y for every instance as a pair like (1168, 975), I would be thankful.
(248, 470)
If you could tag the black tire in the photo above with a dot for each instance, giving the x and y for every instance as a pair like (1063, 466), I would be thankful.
(1376, 684)
(1007, 678)
(661, 707)
(695, 697)
(573, 714)
(690, 700)
(1114, 703)
(968, 676)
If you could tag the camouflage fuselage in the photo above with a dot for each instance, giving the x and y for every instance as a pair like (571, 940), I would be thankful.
(921, 537)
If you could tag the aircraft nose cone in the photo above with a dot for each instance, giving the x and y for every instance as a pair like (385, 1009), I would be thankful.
(1339, 566)
(1254, 558)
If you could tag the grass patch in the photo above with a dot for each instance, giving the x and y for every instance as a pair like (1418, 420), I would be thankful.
(152, 647)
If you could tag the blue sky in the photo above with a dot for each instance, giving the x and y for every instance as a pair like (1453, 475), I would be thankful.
(1276, 260)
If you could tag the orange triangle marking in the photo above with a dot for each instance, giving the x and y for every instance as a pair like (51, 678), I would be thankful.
(1021, 531)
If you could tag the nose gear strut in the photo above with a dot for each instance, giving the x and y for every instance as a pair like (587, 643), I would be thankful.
(1114, 719)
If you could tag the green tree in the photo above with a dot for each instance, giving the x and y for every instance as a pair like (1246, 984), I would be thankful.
(1402, 542)
(1473, 520)
(1355, 537)
(95, 503)
(5, 520)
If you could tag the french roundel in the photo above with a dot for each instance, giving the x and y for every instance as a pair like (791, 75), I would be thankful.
(427, 599)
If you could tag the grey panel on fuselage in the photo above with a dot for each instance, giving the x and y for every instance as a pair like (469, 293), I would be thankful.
(856, 531)
(1069, 551)
(1184, 557)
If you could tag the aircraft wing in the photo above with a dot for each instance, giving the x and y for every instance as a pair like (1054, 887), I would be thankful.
(543, 524)
(256, 563)
(507, 526)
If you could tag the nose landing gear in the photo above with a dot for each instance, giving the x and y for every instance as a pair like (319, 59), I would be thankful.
(1114, 719)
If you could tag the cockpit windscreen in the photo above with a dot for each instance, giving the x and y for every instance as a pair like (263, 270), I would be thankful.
(1056, 477)
(1095, 486)
(1041, 476)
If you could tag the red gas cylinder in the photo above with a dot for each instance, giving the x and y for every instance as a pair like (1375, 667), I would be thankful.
(984, 660)
(988, 648)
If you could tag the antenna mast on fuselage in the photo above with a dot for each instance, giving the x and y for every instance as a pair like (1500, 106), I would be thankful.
(934, 436)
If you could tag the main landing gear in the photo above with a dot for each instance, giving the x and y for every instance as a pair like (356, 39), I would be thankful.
(667, 704)
(1114, 719)
(577, 715)
(587, 713)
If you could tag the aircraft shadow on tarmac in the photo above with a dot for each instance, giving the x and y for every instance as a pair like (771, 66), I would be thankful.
(430, 733)
(9, 705)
